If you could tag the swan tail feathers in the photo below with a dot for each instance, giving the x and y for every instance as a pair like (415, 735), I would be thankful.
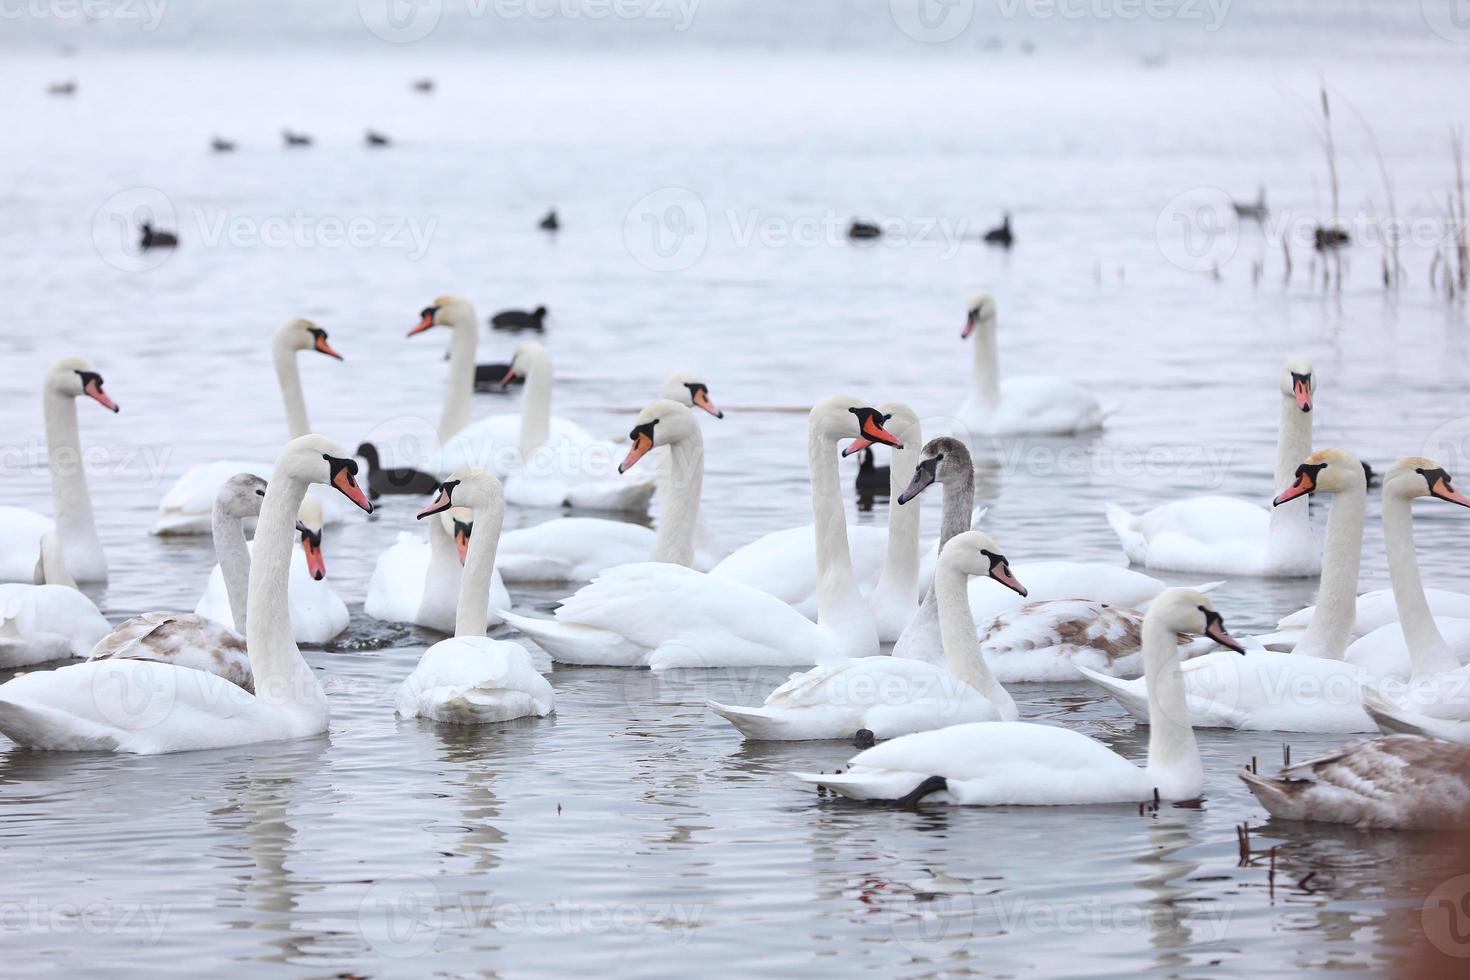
(1131, 695)
(1125, 526)
(1278, 796)
(756, 724)
(39, 727)
(576, 643)
(1388, 717)
(875, 784)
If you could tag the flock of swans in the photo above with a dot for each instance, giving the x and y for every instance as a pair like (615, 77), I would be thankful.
(933, 717)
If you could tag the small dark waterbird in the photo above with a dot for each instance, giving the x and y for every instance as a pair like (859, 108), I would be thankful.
(551, 222)
(295, 139)
(154, 238)
(222, 145)
(375, 138)
(862, 231)
(1002, 235)
(394, 481)
(520, 320)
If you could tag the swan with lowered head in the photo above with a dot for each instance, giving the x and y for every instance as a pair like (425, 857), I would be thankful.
(1017, 763)
(20, 529)
(416, 581)
(1314, 689)
(1035, 405)
(470, 679)
(544, 461)
(1078, 613)
(1223, 534)
(1401, 782)
(884, 560)
(190, 639)
(576, 549)
(318, 614)
(663, 614)
(188, 506)
(49, 620)
(874, 698)
(147, 708)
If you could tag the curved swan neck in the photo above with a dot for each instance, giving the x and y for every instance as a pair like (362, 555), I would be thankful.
(840, 606)
(51, 567)
(1331, 628)
(458, 395)
(900, 578)
(472, 616)
(958, 508)
(986, 363)
(681, 483)
(536, 406)
(961, 644)
(281, 676)
(75, 524)
(234, 564)
(1173, 755)
(288, 375)
(1428, 652)
(439, 602)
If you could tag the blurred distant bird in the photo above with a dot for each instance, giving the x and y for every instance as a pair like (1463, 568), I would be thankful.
(1256, 211)
(1326, 238)
(222, 145)
(863, 230)
(157, 239)
(423, 85)
(496, 377)
(872, 481)
(375, 138)
(1002, 236)
(394, 481)
(550, 222)
(295, 139)
(520, 320)
(68, 87)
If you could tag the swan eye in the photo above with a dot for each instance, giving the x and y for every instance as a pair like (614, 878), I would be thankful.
(260, 493)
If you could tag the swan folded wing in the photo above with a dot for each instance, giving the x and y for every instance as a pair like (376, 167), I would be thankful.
(784, 564)
(867, 681)
(468, 679)
(20, 542)
(183, 640)
(1398, 781)
(1047, 580)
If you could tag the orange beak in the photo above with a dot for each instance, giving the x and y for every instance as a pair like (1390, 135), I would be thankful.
(1303, 485)
(642, 443)
(1302, 388)
(311, 543)
(1002, 573)
(93, 389)
(344, 482)
(701, 399)
(424, 324)
(441, 503)
(1442, 490)
(510, 375)
(462, 534)
(1216, 631)
(326, 348)
(970, 321)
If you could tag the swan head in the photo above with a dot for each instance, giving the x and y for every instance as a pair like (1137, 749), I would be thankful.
(839, 417)
(240, 496)
(528, 357)
(664, 422)
(976, 553)
(309, 522)
(1189, 611)
(1298, 383)
(686, 388)
(316, 459)
(980, 311)
(73, 377)
(300, 334)
(1420, 476)
(467, 487)
(898, 419)
(446, 311)
(943, 460)
(1325, 471)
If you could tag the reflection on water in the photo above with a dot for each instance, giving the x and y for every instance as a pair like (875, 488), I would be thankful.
(633, 828)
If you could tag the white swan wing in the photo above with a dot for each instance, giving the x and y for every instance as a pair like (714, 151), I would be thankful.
(396, 588)
(317, 613)
(188, 505)
(993, 764)
(1383, 653)
(1200, 534)
(1047, 580)
(784, 564)
(1048, 640)
(20, 543)
(571, 549)
(181, 639)
(473, 681)
(39, 623)
(1377, 608)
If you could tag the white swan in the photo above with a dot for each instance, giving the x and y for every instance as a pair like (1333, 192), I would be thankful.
(1222, 534)
(544, 461)
(20, 529)
(1081, 614)
(885, 561)
(883, 697)
(189, 639)
(416, 581)
(662, 614)
(188, 506)
(143, 707)
(1313, 689)
(50, 620)
(576, 549)
(1401, 782)
(1036, 405)
(318, 614)
(1016, 763)
(469, 679)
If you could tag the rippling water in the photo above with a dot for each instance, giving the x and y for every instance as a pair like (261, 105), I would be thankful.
(634, 829)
